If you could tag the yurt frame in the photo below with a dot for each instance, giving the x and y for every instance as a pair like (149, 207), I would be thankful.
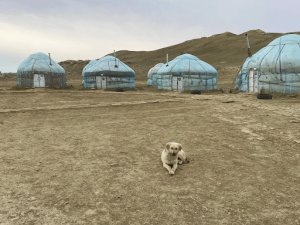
(113, 79)
(188, 80)
(43, 68)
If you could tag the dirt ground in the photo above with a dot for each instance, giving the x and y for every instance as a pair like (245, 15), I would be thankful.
(93, 157)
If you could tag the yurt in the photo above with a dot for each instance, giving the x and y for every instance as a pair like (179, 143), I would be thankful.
(186, 72)
(108, 72)
(39, 70)
(274, 68)
(153, 71)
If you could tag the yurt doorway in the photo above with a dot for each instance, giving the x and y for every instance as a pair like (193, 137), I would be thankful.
(253, 81)
(177, 83)
(39, 80)
(100, 82)
(154, 82)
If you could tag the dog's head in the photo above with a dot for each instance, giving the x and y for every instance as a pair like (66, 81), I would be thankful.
(173, 148)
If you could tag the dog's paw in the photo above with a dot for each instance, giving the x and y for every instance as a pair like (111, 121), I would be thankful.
(171, 172)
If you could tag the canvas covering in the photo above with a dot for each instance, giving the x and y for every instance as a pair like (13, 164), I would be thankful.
(39, 63)
(277, 65)
(117, 73)
(197, 74)
(153, 71)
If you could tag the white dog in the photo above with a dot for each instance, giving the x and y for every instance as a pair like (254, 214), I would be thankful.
(170, 156)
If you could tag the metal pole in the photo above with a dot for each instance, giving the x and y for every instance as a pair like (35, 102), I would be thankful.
(249, 52)
(50, 59)
(167, 59)
(115, 59)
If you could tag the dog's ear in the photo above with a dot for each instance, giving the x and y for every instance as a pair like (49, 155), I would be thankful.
(168, 145)
(179, 147)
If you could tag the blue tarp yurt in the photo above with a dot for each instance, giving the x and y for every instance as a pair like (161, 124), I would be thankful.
(274, 68)
(153, 71)
(39, 70)
(108, 72)
(186, 72)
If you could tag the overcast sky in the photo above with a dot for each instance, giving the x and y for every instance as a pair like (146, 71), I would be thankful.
(89, 29)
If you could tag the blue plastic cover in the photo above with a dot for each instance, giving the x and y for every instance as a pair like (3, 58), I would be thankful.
(88, 66)
(117, 73)
(152, 72)
(197, 74)
(39, 63)
(277, 65)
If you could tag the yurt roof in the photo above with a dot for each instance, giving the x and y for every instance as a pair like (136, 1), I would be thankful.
(108, 66)
(40, 63)
(286, 39)
(154, 69)
(282, 53)
(186, 64)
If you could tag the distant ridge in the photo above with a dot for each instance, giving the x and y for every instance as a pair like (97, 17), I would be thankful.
(225, 51)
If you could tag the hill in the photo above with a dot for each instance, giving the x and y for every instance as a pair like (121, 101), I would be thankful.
(225, 51)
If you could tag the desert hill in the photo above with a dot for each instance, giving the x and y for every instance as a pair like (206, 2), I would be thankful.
(226, 52)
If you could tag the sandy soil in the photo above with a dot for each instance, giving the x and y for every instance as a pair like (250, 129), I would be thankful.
(93, 157)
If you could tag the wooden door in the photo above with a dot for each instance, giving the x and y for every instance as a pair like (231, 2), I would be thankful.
(179, 83)
(98, 82)
(255, 82)
(39, 80)
(251, 79)
(103, 82)
(174, 83)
